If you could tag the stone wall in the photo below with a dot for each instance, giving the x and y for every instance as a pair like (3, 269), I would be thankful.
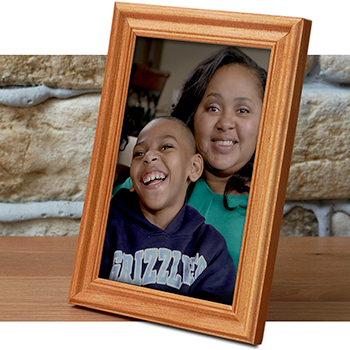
(318, 192)
(46, 140)
(48, 113)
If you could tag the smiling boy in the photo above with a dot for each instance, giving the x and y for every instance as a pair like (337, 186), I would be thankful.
(153, 237)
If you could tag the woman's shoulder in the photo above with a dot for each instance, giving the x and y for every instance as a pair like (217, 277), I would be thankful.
(200, 187)
(201, 192)
(126, 184)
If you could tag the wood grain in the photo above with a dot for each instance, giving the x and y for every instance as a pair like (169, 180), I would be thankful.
(35, 274)
(311, 280)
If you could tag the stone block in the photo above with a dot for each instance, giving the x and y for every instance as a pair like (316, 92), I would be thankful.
(320, 165)
(55, 71)
(45, 150)
(41, 227)
(299, 222)
(340, 224)
(335, 69)
(310, 62)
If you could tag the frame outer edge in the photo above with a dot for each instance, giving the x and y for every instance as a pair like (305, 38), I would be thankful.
(300, 33)
(99, 178)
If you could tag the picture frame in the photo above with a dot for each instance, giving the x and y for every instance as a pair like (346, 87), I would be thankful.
(287, 38)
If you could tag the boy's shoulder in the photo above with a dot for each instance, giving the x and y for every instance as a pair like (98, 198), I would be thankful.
(207, 231)
(188, 221)
(125, 201)
(123, 194)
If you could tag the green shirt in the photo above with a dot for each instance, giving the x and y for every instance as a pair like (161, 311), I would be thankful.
(229, 223)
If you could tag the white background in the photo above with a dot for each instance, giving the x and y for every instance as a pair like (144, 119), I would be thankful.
(83, 27)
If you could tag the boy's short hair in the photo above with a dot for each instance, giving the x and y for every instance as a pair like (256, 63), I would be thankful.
(187, 131)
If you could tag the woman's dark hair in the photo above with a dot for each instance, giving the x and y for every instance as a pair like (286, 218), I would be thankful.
(193, 92)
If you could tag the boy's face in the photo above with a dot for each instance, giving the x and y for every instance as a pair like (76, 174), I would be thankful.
(162, 166)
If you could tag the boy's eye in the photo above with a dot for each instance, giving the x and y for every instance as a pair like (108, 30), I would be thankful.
(138, 154)
(165, 147)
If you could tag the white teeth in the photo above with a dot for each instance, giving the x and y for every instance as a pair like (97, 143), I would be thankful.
(153, 176)
(225, 143)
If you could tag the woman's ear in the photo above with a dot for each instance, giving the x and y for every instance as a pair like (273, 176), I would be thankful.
(196, 167)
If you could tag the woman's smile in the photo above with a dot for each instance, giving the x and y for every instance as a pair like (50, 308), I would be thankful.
(226, 123)
(224, 145)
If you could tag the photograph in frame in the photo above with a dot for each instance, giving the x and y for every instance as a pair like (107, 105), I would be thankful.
(159, 69)
(286, 40)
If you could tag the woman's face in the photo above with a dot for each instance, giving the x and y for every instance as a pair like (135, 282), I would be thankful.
(226, 122)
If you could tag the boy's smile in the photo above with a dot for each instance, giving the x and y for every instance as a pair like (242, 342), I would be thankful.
(161, 168)
(153, 178)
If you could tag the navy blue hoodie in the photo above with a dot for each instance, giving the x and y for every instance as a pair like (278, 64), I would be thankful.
(188, 257)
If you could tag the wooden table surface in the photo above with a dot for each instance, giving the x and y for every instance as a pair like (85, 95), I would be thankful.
(311, 280)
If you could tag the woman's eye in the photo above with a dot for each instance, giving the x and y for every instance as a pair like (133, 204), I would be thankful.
(243, 110)
(213, 109)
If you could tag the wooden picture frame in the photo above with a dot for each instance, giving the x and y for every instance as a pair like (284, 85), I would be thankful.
(287, 38)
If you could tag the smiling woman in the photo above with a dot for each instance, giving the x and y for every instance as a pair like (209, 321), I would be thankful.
(222, 101)
(221, 86)
(226, 124)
